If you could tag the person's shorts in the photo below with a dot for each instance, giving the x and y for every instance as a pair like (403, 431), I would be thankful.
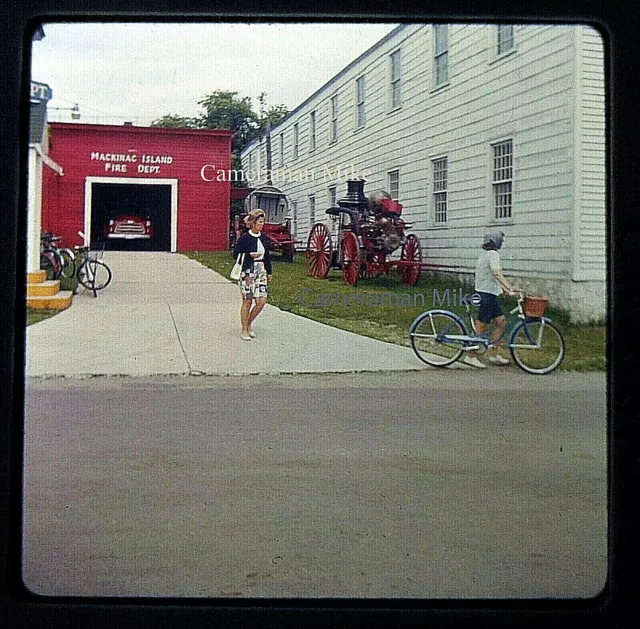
(254, 285)
(490, 307)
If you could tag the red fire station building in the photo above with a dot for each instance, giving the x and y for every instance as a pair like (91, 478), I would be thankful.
(148, 173)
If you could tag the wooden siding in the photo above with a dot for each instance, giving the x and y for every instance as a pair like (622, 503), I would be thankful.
(526, 96)
(591, 202)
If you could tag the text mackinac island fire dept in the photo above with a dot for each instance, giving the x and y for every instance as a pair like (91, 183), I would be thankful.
(129, 162)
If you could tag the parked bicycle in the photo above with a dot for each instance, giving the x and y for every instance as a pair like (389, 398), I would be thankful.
(440, 337)
(92, 273)
(55, 260)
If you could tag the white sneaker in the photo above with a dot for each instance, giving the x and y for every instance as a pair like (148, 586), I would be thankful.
(474, 362)
(497, 360)
(245, 337)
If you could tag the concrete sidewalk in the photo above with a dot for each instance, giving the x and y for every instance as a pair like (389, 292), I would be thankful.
(166, 314)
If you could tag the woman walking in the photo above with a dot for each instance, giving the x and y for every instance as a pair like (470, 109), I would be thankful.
(256, 271)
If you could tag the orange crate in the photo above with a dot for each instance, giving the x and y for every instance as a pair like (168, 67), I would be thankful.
(534, 306)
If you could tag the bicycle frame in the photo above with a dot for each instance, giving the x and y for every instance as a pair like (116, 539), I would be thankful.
(473, 342)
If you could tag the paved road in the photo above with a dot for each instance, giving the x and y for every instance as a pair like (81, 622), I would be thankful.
(419, 484)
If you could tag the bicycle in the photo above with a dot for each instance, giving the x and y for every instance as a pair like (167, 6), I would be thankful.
(440, 337)
(57, 261)
(92, 273)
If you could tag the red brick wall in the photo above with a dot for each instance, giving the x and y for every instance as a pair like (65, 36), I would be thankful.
(203, 206)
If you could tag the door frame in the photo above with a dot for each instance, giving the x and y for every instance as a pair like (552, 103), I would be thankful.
(88, 191)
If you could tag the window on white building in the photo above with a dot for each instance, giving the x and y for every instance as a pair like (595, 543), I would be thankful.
(396, 79)
(294, 218)
(281, 148)
(440, 189)
(312, 131)
(296, 141)
(250, 168)
(393, 180)
(441, 53)
(360, 117)
(506, 38)
(334, 119)
(502, 178)
(333, 196)
(312, 208)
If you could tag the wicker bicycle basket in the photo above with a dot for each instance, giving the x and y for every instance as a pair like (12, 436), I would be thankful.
(534, 306)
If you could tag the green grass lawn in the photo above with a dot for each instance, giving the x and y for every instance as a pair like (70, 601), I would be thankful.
(390, 321)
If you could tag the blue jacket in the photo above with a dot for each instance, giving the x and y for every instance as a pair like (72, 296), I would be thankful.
(247, 244)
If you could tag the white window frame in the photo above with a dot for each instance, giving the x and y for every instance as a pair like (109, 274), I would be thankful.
(312, 210)
(502, 180)
(390, 173)
(440, 187)
(440, 55)
(395, 79)
(281, 148)
(361, 119)
(333, 137)
(296, 141)
(499, 41)
(312, 131)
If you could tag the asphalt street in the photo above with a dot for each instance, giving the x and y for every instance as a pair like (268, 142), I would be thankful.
(422, 484)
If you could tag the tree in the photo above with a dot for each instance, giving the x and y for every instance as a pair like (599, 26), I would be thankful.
(227, 110)
(175, 122)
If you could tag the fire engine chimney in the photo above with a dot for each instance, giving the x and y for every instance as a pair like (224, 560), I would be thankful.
(355, 195)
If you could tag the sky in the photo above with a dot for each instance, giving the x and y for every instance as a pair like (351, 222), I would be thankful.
(139, 72)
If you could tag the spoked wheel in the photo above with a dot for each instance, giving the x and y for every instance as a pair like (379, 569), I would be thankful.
(411, 252)
(537, 346)
(350, 258)
(428, 334)
(319, 251)
(69, 263)
(51, 264)
(94, 275)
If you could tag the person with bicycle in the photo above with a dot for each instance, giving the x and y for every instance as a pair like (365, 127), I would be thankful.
(489, 285)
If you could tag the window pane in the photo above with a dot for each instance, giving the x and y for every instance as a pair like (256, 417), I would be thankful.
(505, 38)
(441, 34)
(442, 69)
(394, 184)
(395, 65)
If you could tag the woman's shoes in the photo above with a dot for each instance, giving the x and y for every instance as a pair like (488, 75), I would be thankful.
(245, 337)
(252, 334)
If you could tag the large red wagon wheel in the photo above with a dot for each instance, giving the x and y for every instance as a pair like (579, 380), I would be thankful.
(350, 258)
(411, 252)
(319, 251)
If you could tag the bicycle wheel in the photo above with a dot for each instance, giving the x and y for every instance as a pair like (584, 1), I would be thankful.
(68, 263)
(537, 346)
(94, 274)
(428, 338)
(50, 263)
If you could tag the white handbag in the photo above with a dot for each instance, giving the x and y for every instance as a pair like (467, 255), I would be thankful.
(236, 271)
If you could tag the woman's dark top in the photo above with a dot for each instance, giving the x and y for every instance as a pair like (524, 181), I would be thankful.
(249, 244)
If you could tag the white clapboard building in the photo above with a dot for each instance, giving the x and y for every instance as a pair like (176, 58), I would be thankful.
(472, 128)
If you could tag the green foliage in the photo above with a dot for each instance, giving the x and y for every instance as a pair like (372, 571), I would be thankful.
(172, 121)
(228, 110)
